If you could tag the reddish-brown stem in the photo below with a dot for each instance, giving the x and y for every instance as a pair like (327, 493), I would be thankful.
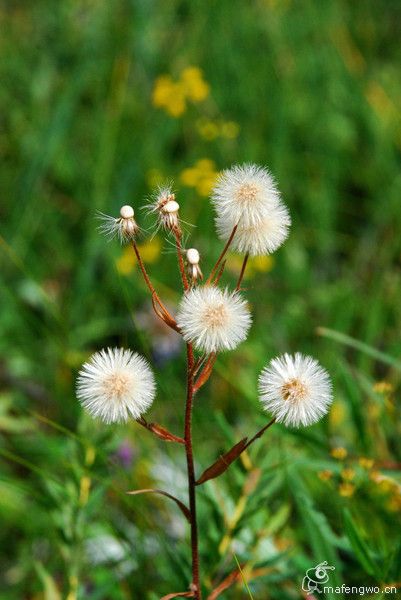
(220, 273)
(191, 474)
(181, 264)
(259, 433)
(222, 255)
(242, 273)
(167, 318)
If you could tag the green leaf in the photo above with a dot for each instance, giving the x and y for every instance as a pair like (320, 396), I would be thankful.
(342, 338)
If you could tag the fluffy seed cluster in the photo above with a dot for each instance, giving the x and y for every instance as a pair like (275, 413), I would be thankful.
(116, 384)
(247, 196)
(296, 390)
(213, 319)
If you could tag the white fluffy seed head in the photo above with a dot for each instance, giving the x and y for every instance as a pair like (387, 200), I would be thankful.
(116, 384)
(296, 390)
(213, 319)
(261, 237)
(243, 194)
(126, 212)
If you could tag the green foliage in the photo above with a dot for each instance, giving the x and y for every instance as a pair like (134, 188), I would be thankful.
(312, 90)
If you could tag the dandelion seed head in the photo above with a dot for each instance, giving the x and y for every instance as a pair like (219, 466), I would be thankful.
(115, 385)
(296, 390)
(213, 319)
(261, 237)
(243, 194)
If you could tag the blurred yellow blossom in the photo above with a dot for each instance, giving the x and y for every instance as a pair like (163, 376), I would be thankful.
(339, 453)
(201, 176)
(348, 474)
(207, 129)
(172, 95)
(193, 84)
(383, 387)
(255, 265)
(169, 95)
(210, 130)
(150, 252)
(366, 463)
(338, 413)
(325, 475)
(346, 489)
(229, 130)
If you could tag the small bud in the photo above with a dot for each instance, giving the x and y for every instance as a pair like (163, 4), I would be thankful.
(193, 258)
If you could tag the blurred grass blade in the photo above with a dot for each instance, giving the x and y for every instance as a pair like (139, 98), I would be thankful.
(50, 591)
(242, 577)
(359, 546)
(342, 338)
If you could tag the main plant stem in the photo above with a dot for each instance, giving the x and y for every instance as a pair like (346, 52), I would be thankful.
(191, 474)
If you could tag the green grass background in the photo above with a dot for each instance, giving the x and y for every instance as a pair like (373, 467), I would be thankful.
(315, 89)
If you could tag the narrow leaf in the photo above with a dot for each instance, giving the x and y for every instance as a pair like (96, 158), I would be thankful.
(342, 338)
(181, 505)
(223, 462)
(164, 434)
(160, 431)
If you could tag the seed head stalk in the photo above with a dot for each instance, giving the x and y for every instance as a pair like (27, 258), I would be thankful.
(191, 474)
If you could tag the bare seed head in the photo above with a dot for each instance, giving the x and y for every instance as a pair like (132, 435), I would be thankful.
(124, 227)
(192, 256)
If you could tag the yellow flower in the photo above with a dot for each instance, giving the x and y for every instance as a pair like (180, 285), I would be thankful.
(325, 475)
(169, 95)
(255, 265)
(150, 252)
(172, 95)
(346, 489)
(207, 129)
(338, 413)
(339, 453)
(383, 387)
(194, 86)
(201, 176)
(229, 130)
(366, 463)
(348, 474)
